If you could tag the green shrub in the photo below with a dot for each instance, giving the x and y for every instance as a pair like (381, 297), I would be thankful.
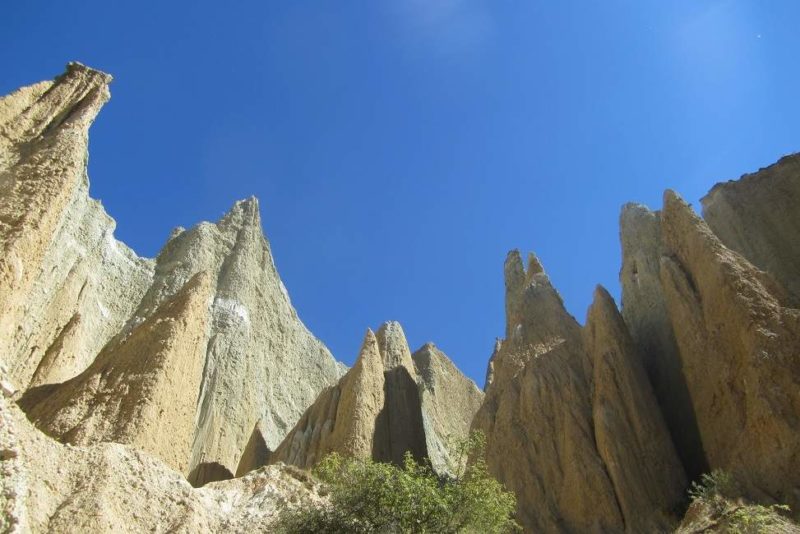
(366, 497)
(714, 485)
(721, 493)
(757, 519)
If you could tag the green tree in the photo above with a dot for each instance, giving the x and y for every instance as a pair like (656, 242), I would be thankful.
(373, 497)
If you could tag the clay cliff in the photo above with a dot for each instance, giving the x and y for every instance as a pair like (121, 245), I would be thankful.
(140, 376)
(78, 308)
(390, 402)
(46, 486)
(572, 424)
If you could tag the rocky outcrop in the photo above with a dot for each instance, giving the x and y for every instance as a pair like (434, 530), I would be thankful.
(197, 366)
(343, 418)
(141, 389)
(66, 285)
(262, 366)
(382, 408)
(449, 402)
(398, 427)
(647, 318)
(631, 437)
(757, 216)
(568, 419)
(68, 289)
(49, 487)
(739, 347)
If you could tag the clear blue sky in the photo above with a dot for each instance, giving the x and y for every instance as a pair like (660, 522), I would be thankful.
(401, 148)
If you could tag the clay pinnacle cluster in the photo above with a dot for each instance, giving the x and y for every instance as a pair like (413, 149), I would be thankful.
(184, 393)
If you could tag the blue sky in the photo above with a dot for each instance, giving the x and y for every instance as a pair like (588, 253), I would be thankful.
(401, 148)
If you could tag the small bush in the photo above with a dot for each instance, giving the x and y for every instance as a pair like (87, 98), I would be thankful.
(714, 485)
(721, 494)
(757, 519)
(367, 497)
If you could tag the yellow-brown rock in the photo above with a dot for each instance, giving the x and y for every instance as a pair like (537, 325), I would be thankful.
(647, 318)
(68, 288)
(630, 433)
(739, 346)
(382, 408)
(757, 216)
(568, 419)
(66, 285)
(343, 418)
(142, 389)
(46, 486)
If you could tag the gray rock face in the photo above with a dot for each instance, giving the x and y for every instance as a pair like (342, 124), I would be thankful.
(449, 403)
(254, 332)
(68, 289)
(66, 285)
(387, 404)
(757, 216)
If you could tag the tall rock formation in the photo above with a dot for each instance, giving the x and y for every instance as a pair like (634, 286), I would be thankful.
(739, 346)
(46, 486)
(647, 318)
(262, 366)
(757, 216)
(630, 434)
(198, 366)
(66, 285)
(382, 408)
(141, 389)
(568, 419)
(68, 289)
(449, 403)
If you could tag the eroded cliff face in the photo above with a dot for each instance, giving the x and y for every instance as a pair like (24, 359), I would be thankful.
(195, 364)
(720, 334)
(46, 486)
(645, 311)
(757, 217)
(83, 316)
(382, 408)
(66, 285)
(569, 420)
(740, 347)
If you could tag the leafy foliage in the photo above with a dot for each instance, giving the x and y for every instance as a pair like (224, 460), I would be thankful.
(720, 491)
(756, 519)
(370, 497)
(714, 485)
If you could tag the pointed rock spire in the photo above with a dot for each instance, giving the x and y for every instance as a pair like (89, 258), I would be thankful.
(647, 318)
(343, 418)
(57, 249)
(631, 436)
(757, 216)
(738, 344)
(535, 312)
(142, 389)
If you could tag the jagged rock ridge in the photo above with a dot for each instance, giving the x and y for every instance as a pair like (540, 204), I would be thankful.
(388, 404)
(69, 291)
(569, 418)
(107, 487)
(198, 358)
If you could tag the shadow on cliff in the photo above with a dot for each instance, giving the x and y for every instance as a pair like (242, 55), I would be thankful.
(399, 427)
